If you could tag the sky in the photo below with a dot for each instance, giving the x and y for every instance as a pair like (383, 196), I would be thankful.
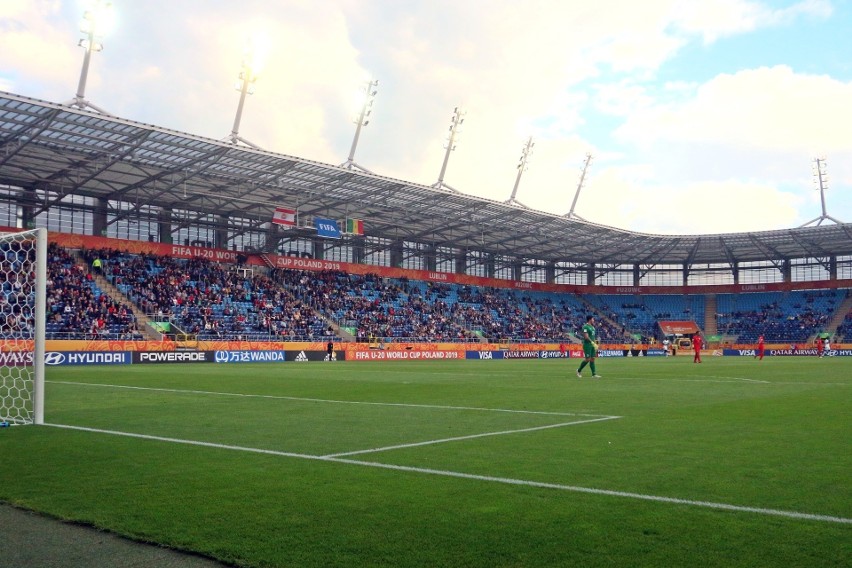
(700, 116)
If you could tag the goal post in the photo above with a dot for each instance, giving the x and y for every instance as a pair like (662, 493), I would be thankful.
(23, 310)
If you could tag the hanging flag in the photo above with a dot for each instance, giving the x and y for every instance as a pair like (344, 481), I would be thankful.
(355, 226)
(327, 228)
(284, 216)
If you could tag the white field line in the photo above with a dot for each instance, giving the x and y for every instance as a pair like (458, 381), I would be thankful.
(734, 380)
(474, 477)
(722, 379)
(470, 437)
(303, 399)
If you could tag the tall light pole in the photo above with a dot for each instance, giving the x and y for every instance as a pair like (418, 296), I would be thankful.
(821, 182)
(571, 214)
(96, 20)
(245, 85)
(362, 120)
(455, 131)
(526, 154)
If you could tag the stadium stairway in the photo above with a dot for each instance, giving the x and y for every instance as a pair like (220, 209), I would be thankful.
(143, 321)
(599, 315)
(710, 327)
(838, 317)
(267, 261)
(344, 335)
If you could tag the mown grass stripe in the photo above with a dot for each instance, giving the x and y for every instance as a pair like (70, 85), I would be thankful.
(471, 476)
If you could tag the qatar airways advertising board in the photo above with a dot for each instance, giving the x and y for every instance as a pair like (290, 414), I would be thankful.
(809, 352)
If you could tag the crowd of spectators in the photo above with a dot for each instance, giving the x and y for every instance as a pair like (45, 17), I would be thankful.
(16, 291)
(791, 316)
(844, 330)
(211, 301)
(76, 306)
(639, 315)
(387, 309)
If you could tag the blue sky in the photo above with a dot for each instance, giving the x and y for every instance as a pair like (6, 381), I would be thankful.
(701, 116)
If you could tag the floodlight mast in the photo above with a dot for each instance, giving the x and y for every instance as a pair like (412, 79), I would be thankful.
(93, 23)
(362, 120)
(455, 132)
(526, 154)
(821, 181)
(571, 214)
(245, 85)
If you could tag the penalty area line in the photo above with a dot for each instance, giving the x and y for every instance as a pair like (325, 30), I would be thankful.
(474, 477)
(324, 400)
(469, 437)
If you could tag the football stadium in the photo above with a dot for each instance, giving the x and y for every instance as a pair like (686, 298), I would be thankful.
(214, 354)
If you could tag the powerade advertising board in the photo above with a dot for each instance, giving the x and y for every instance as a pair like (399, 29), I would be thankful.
(144, 357)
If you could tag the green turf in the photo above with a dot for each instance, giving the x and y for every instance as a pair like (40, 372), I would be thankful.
(766, 435)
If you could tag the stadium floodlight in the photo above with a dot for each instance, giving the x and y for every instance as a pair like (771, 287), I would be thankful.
(523, 164)
(245, 85)
(571, 214)
(369, 96)
(96, 22)
(455, 132)
(821, 183)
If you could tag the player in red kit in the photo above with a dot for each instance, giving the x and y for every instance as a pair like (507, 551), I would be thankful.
(697, 344)
(819, 346)
(760, 348)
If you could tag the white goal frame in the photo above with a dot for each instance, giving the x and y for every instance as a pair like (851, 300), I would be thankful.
(34, 381)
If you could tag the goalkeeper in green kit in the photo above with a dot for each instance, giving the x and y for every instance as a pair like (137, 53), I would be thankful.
(590, 347)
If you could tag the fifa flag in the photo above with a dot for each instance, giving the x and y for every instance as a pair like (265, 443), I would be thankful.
(284, 216)
(355, 226)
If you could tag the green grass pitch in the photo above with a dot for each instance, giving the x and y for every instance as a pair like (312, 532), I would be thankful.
(662, 462)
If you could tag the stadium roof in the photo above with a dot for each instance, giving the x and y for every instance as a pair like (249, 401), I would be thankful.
(69, 151)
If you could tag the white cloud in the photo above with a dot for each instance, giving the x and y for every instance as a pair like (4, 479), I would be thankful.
(35, 43)
(520, 69)
(767, 108)
(632, 197)
(714, 19)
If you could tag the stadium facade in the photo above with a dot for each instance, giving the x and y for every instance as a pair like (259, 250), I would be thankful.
(80, 172)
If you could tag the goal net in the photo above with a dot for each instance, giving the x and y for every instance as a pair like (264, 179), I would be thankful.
(23, 281)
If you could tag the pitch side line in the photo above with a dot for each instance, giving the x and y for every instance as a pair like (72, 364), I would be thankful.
(302, 399)
(474, 477)
(730, 380)
(470, 437)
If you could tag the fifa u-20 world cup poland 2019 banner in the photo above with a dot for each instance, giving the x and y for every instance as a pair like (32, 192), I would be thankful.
(412, 355)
